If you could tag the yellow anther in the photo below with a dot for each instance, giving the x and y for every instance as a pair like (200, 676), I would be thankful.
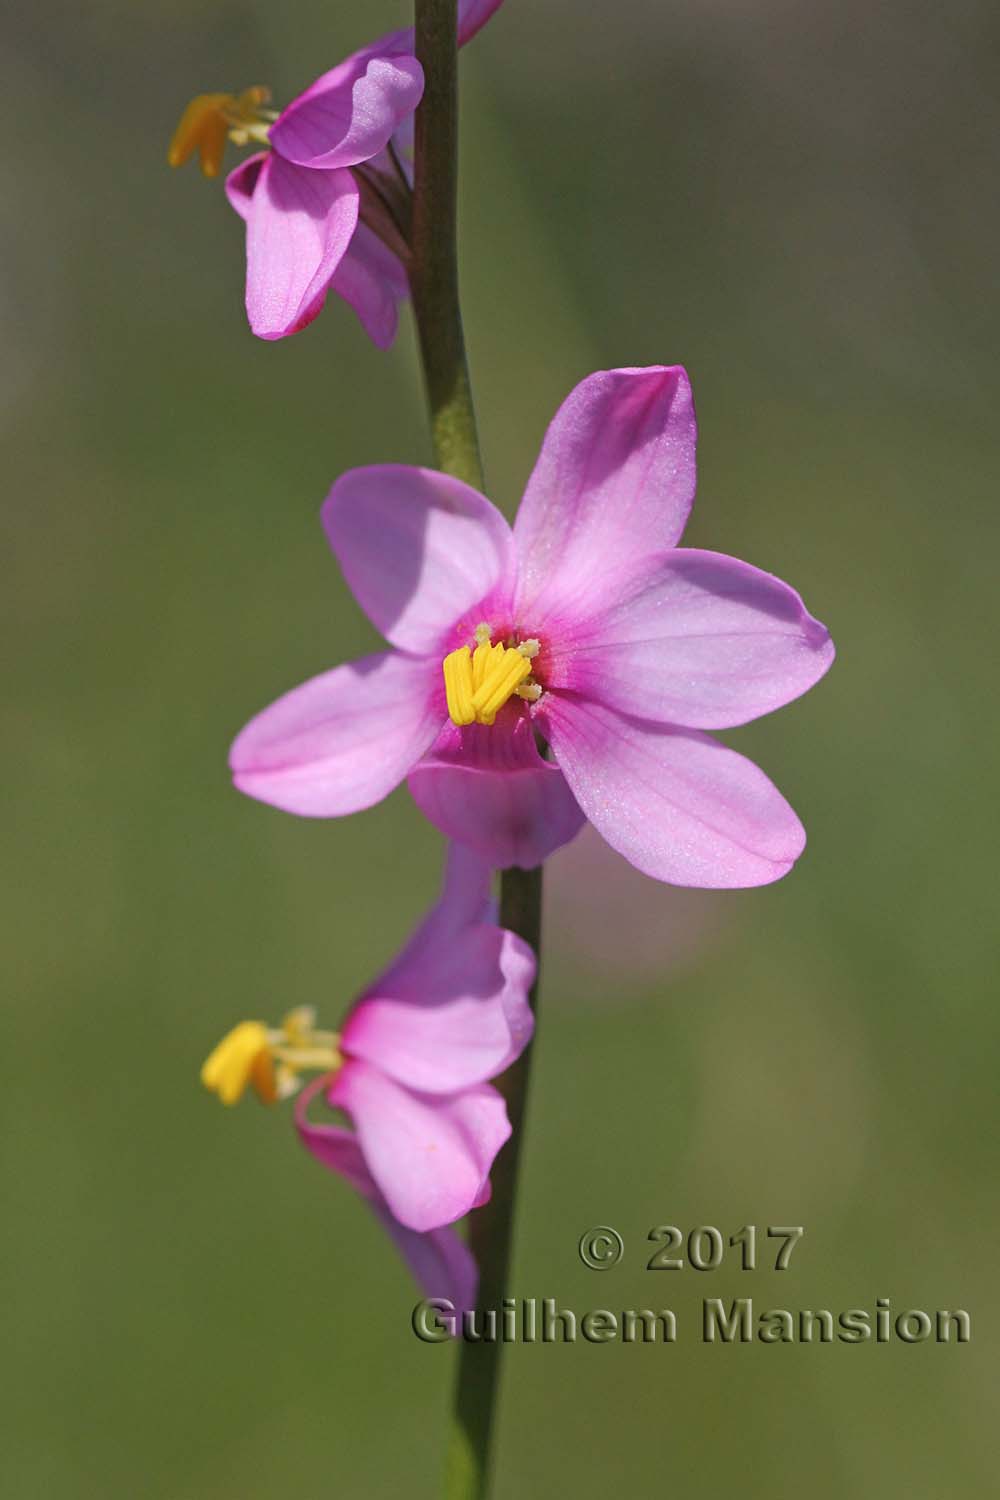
(482, 658)
(248, 1054)
(479, 682)
(505, 672)
(209, 119)
(458, 685)
(243, 1056)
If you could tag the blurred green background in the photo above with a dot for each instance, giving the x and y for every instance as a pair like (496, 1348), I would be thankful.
(798, 202)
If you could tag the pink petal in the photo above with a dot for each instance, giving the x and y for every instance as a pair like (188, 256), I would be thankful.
(466, 894)
(614, 481)
(299, 226)
(678, 805)
(456, 1016)
(702, 641)
(419, 550)
(429, 1155)
(343, 740)
(241, 182)
(440, 1262)
(374, 282)
(466, 899)
(488, 787)
(472, 16)
(369, 277)
(334, 1146)
(349, 114)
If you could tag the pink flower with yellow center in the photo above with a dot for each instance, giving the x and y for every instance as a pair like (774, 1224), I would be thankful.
(410, 1068)
(561, 670)
(326, 206)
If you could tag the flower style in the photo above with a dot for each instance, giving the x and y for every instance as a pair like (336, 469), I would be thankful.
(585, 626)
(410, 1068)
(326, 207)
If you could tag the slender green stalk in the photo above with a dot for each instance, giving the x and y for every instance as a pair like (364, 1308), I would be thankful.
(434, 287)
(491, 1232)
(434, 266)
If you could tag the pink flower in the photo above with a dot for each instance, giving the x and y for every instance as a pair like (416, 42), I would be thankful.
(303, 200)
(585, 625)
(410, 1068)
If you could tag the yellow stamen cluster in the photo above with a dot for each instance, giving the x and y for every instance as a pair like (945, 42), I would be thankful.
(478, 683)
(248, 1054)
(210, 119)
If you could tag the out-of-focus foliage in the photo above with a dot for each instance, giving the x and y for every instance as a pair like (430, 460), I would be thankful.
(797, 202)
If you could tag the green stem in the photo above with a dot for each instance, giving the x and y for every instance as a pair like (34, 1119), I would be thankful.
(491, 1231)
(434, 267)
(434, 288)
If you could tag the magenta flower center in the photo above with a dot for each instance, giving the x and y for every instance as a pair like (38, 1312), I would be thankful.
(479, 680)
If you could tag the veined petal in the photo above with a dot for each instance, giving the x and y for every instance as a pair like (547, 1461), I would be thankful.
(701, 641)
(343, 740)
(615, 480)
(452, 1008)
(429, 1155)
(369, 277)
(299, 226)
(677, 804)
(374, 282)
(455, 1016)
(488, 787)
(440, 1262)
(418, 549)
(349, 114)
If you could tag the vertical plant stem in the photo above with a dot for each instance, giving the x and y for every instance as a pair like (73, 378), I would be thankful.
(434, 288)
(491, 1235)
(434, 267)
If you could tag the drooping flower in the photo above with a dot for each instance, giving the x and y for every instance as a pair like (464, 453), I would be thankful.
(410, 1067)
(326, 206)
(585, 627)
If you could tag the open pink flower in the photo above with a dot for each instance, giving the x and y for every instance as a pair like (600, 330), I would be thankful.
(301, 200)
(585, 625)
